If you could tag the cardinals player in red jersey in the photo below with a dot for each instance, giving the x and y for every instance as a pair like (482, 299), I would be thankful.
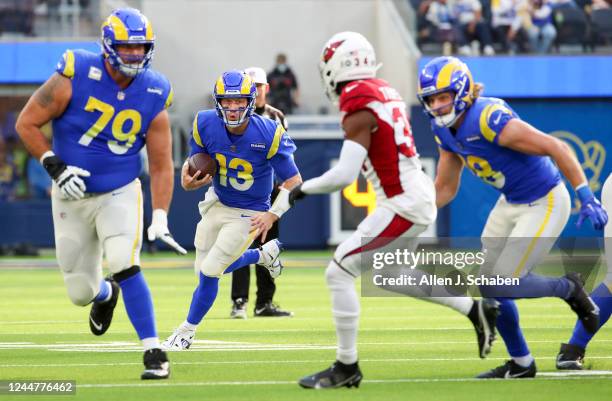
(378, 140)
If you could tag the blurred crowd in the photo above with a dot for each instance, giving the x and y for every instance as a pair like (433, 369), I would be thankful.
(21, 176)
(61, 18)
(474, 27)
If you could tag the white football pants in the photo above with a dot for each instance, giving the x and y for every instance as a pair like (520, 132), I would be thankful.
(85, 229)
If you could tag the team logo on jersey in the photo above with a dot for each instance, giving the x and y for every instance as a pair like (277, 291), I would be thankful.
(261, 146)
(94, 73)
(155, 90)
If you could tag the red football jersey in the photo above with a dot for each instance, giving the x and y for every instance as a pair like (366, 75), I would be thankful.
(392, 155)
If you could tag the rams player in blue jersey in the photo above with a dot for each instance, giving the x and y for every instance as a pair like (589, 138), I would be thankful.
(488, 137)
(249, 150)
(571, 355)
(104, 108)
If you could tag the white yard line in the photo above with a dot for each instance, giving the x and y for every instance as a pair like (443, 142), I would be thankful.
(289, 382)
(302, 361)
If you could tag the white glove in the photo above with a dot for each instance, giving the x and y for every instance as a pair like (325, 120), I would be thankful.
(159, 230)
(67, 178)
(71, 184)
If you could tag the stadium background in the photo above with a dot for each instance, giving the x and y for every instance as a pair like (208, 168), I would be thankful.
(567, 93)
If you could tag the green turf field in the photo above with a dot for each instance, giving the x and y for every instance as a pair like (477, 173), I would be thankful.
(409, 349)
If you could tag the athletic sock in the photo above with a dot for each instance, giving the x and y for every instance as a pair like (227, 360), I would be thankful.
(462, 305)
(602, 297)
(345, 310)
(138, 302)
(106, 292)
(203, 298)
(510, 330)
(250, 256)
(523, 361)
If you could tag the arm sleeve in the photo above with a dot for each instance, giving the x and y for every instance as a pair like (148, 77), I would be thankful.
(342, 174)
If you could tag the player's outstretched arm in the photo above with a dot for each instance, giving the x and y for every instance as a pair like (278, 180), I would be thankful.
(448, 177)
(161, 169)
(522, 137)
(358, 128)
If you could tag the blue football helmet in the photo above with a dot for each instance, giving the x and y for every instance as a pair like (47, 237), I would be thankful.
(446, 74)
(235, 84)
(127, 26)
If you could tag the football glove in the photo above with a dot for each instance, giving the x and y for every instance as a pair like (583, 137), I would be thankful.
(296, 194)
(591, 208)
(67, 178)
(159, 230)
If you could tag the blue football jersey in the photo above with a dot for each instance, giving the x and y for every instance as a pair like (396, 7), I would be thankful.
(104, 127)
(522, 178)
(246, 165)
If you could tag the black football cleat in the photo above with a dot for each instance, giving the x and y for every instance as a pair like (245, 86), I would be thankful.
(271, 310)
(101, 313)
(510, 370)
(487, 311)
(156, 364)
(570, 357)
(582, 304)
(336, 376)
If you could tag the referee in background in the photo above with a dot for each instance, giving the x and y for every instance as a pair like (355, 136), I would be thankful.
(241, 277)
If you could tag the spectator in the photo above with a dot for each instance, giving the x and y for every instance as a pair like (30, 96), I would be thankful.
(283, 86)
(39, 181)
(555, 4)
(468, 14)
(441, 24)
(8, 175)
(601, 4)
(506, 23)
(542, 32)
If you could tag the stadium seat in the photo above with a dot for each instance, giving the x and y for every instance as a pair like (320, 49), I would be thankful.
(601, 27)
(571, 26)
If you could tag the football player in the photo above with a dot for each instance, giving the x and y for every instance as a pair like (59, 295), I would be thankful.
(249, 150)
(264, 307)
(571, 355)
(104, 109)
(378, 141)
(488, 137)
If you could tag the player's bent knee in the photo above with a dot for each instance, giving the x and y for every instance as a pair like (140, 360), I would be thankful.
(81, 290)
(336, 277)
(123, 254)
(212, 269)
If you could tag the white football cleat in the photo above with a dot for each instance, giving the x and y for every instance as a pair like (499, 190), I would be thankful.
(270, 252)
(180, 340)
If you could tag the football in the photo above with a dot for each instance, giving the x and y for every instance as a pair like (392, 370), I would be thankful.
(202, 162)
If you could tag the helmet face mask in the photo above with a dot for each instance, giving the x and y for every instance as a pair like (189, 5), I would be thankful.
(234, 84)
(127, 27)
(347, 56)
(446, 74)
(445, 114)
